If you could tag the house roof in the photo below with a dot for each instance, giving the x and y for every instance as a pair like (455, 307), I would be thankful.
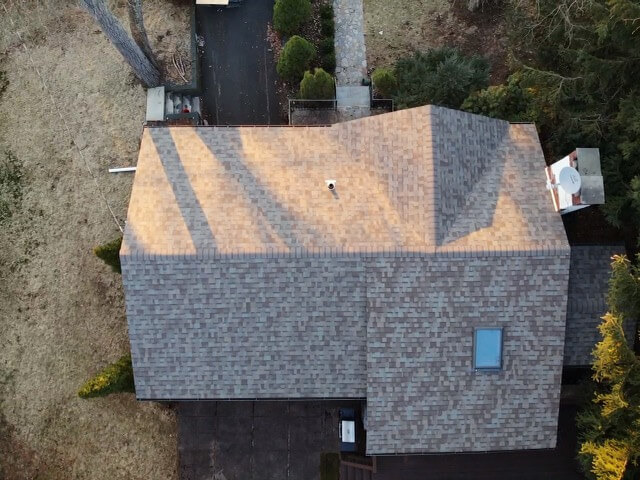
(588, 284)
(245, 277)
(424, 179)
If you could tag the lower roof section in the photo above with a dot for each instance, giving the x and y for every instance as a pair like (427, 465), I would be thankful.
(396, 330)
(423, 394)
(264, 328)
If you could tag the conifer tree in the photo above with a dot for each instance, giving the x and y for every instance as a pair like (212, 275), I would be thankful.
(610, 425)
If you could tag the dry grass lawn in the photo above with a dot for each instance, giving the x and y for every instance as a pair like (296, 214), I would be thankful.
(61, 309)
(395, 28)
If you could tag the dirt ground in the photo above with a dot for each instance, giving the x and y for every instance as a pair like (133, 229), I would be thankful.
(395, 28)
(61, 309)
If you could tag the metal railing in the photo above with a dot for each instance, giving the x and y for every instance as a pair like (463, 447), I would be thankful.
(382, 103)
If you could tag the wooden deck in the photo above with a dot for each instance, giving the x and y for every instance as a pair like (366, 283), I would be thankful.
(555, 464)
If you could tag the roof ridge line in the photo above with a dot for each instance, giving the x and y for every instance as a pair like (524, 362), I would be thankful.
(335, 252)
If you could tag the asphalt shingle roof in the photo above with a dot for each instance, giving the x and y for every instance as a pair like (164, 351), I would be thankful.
(588, 285)
(245, 277)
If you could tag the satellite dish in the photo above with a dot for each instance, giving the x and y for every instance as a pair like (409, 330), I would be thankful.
(569, 180)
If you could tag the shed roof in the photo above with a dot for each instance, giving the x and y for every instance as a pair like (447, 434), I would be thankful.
(245, 277)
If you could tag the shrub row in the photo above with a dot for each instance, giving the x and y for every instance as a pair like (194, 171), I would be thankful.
(298, 54)
(327, 44)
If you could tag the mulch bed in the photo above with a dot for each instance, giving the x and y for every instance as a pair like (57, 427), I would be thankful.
(312, 32)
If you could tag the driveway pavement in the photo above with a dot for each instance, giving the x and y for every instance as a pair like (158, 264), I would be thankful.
(261, 440)
(238, 70)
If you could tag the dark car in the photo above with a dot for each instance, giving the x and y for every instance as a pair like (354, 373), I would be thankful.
(347, 430)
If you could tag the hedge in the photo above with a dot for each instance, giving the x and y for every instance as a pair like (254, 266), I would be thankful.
(110, 254)
(115, 378)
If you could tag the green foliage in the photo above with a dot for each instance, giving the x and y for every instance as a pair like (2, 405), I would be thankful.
(326, 46)
(10, 185)
(326, 11)
(115, 378)
(440, 76)
(290, 15)
(512, 101)
(318, 85)
(110, 254)
(385, 81)
(329, 466)
(610, 426)
(327, 26)
(328, 62)
(582, 62)
(295, 58)
(327, 53)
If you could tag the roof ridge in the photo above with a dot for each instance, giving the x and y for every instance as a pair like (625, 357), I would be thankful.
(323, 252)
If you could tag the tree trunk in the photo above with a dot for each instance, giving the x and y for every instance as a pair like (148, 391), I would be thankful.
(132, 53)
(138, 32)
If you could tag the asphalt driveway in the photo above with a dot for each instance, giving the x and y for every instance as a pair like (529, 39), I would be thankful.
(261, 440)
(237, 67)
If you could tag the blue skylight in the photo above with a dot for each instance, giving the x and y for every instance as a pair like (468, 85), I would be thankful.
(488, 348)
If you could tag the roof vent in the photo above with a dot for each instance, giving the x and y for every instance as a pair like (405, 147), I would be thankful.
(576, 181)
(331, 184)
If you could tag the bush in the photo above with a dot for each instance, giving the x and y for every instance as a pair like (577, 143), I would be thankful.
(318, 85)
(327, 27)
(115, 378)
(384, 80)
(441, 76)
(295, 58)
(328, 62)
(110, 254)
(326, 11)
(290, 15)
(510, 102)
(326, 46)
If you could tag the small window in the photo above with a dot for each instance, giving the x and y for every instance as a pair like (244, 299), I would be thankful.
(487, 354)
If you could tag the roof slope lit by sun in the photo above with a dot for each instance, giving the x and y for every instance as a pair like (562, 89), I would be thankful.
(422, 180)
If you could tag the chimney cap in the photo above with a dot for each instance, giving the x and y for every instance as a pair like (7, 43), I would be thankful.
(331, 184)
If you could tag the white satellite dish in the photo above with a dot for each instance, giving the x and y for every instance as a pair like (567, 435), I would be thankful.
(569, 180)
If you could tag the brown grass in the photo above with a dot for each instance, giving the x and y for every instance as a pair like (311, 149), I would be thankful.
(395, 28)
(61, 309)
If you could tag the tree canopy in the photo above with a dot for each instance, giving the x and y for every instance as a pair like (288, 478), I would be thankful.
(577, 76)
(441, 76)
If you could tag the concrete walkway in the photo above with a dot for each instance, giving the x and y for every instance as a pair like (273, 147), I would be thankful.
(351, 58)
